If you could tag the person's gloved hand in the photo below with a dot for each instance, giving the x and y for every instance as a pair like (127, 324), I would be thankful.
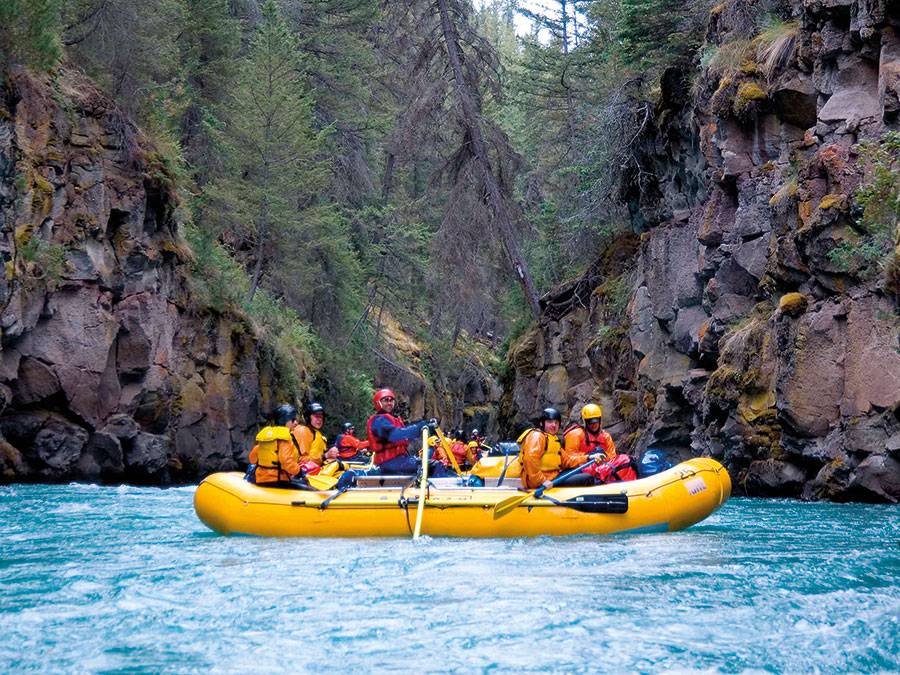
(598, 457)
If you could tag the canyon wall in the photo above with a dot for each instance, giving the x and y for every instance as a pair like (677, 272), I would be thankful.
(731, 327)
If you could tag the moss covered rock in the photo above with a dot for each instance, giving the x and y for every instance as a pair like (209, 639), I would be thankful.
(793, 304)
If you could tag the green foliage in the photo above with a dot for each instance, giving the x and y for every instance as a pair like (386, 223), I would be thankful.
(617, 292)
(30, 33)
(728, 58)
(270, 155)
(218, 282)
(44, 261)
(656, 32)
(877, 202)
(288, 342)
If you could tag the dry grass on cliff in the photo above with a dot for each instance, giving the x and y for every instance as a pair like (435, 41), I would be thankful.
(777, 44)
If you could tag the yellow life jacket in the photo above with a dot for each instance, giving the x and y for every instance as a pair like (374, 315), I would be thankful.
(267, 442)
(318, 445)
(551, 460)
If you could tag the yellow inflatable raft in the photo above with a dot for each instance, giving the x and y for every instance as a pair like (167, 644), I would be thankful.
(385, 507)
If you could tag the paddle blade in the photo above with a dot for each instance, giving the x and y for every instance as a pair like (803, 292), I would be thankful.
(508, 505)
(599, 503)
(320, 482)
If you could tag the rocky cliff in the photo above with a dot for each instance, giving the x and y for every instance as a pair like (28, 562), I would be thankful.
(108, 368)
(757, 320)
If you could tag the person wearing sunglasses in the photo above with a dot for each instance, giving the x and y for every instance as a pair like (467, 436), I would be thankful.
(389, 438)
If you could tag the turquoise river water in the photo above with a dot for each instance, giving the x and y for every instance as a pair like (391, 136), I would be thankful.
(106, 579)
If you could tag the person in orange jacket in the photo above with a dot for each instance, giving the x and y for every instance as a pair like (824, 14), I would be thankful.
(275, 455)
(311, 441)
(587, 439)
(349, 447)
(464, 455)
(541, 454)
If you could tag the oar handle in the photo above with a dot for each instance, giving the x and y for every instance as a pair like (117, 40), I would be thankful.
(560, 478)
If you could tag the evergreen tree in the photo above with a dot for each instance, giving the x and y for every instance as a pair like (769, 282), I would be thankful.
(208, 44)
(653, 32)
(30, 33)
(267, 199)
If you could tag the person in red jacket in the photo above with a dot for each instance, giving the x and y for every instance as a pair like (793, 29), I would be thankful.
(349, 446)
(389, 438)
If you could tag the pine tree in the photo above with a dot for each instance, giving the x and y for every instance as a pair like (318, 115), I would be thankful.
(29, 33)
(268, 195)
(209, 42)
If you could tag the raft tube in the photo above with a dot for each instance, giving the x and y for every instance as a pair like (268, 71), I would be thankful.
(669, 501)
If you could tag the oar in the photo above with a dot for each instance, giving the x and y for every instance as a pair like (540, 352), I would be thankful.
(423, 486)
(509, 504)
(446, 445)
(324, 505)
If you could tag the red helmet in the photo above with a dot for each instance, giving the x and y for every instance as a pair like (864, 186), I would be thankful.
(380, 394)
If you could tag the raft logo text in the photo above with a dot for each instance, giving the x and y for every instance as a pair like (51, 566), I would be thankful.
(695, 485)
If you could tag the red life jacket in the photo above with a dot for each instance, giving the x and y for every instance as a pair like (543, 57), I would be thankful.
(590, 442)
(346, 445)
(620, 468)
(458, 448)
(385, 450)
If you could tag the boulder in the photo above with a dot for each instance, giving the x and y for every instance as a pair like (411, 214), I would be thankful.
(831, 482)
(872, 362)
(147, 456)
(58, 445)
(122, 427)
(752, 256)
(669, 265)
(686, 330)
(793, 304)
(774, 478)
(102, 457)
(810, 380)
(879, 477)
(855, 94)
(794, 99)
(36, 382)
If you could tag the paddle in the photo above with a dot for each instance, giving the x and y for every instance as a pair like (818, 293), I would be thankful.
(320, 482)
(446, 445)
(423, 486)
(324, 505)
(509, 504)
(505, 468)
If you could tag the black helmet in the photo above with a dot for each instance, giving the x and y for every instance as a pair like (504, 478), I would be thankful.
(459, 433)
(347, 426)
(284, 414)
(550, 414)
(314, 408)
